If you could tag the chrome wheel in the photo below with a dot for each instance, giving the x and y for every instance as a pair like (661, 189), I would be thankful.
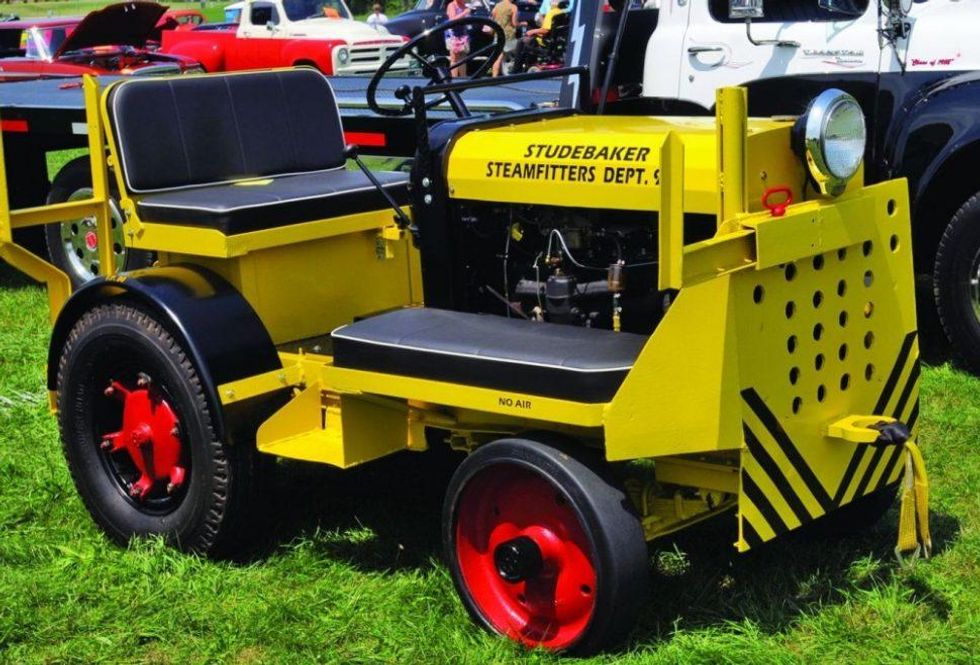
(80, 240)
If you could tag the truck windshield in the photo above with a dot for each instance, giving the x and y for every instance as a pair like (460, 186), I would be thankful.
(297, 10)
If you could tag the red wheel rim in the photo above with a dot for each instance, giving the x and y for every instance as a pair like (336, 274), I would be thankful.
(553, 604)
(150, 439)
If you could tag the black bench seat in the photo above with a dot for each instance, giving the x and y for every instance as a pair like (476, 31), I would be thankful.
(551, 360)
(252, 205)
(239, 152)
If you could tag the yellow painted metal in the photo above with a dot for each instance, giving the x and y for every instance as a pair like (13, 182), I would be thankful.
(290, 375)
(833, 335)
(712, 475)
(498, 164)
(856, 429)
(731, 106)
(718, 256)
(100, 176)
(671, 221)
(527, 408)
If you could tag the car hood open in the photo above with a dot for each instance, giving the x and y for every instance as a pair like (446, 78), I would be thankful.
(123, 24)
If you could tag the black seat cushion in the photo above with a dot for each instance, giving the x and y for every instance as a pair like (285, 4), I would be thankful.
(551, 360)
(262, 204)
(202, 130)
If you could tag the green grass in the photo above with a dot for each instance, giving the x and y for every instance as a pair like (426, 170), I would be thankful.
(350, 570)
(213, 11)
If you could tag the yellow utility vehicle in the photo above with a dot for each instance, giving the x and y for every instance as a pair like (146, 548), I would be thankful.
(631, 323)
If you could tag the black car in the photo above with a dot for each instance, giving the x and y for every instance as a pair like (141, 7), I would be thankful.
(428, 13)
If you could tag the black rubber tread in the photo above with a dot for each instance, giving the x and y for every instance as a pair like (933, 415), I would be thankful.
(620, 550)
(213, 516)
(73, 176)
(957, 248)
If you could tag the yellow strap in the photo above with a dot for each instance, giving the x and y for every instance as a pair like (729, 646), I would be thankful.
(913, 526)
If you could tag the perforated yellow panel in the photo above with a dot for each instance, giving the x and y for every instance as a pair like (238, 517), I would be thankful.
(833, 335)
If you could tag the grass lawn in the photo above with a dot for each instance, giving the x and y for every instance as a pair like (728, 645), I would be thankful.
(213, 11)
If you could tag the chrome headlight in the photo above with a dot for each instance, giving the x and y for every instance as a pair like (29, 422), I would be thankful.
(831, 138)
(343, 56)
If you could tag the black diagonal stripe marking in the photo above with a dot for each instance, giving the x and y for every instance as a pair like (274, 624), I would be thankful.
(750, 535)
(849, 472)
(759, 500)
(890, 466)
(886, 392)
(777, 432)
(771, 469)
(910, 384)
(870, 471)
(913, 416)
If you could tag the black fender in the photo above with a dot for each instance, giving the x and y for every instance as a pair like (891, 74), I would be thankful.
(216, 326)
(935, 144)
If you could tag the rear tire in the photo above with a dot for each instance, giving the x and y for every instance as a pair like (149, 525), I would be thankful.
(956, 283)
(542, 548)
(72, 245)
(120, 344)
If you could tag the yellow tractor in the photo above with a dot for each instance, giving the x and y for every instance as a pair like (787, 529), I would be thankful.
(632, 324)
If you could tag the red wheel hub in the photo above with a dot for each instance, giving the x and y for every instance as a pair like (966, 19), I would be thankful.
(524, 557)
(91, 240)
(150, 435)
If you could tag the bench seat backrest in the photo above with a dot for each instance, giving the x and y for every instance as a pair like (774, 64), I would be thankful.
(201, 130)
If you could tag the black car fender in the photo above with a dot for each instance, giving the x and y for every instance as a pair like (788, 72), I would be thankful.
(936, 146)
(216, 326)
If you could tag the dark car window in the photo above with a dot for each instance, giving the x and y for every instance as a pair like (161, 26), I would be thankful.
(263, 13)
(779, 11)
(10, 43)
(297, 10)
(422, 5)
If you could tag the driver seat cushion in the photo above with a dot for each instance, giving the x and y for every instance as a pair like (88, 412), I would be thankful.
(239, 152)
(488, 351)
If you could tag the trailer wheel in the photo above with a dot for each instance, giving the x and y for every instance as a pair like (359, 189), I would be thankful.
(542, 548)
(138, 437)
(956, 283)
(73, 244)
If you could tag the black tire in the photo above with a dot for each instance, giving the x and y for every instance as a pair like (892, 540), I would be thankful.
(74, 180)
(208, 512)
(956, 283)
(572, 482)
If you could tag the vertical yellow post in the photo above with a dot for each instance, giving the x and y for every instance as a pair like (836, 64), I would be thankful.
(100, 176)
(6, 229)
(731, 106)
(671, 227)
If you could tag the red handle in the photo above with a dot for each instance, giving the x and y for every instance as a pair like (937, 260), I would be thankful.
(777, 209)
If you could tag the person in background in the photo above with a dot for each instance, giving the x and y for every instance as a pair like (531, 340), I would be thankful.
(521, 52)
(505, 15)
(458, 39)
(376, 17)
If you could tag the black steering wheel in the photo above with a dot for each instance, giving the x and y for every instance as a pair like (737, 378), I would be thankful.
(437, 67)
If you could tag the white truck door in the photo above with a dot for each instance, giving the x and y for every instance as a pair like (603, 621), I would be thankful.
(716, 51)
(662, 61)
(261, 20)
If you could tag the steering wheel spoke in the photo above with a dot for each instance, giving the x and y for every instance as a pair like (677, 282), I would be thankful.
(435, 67)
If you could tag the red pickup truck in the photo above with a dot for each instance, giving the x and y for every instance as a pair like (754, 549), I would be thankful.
(285, 33)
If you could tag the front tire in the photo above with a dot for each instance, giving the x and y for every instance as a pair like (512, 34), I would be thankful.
(72, 245)
(956, 283)
(542, 548)
(139, 439)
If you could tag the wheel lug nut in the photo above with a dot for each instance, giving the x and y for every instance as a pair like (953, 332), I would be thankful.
(106, 444)
(170, 488)
(143, 380)
(175, 432)
(108, 392)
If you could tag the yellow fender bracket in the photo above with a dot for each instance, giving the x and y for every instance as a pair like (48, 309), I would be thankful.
(913, 526)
